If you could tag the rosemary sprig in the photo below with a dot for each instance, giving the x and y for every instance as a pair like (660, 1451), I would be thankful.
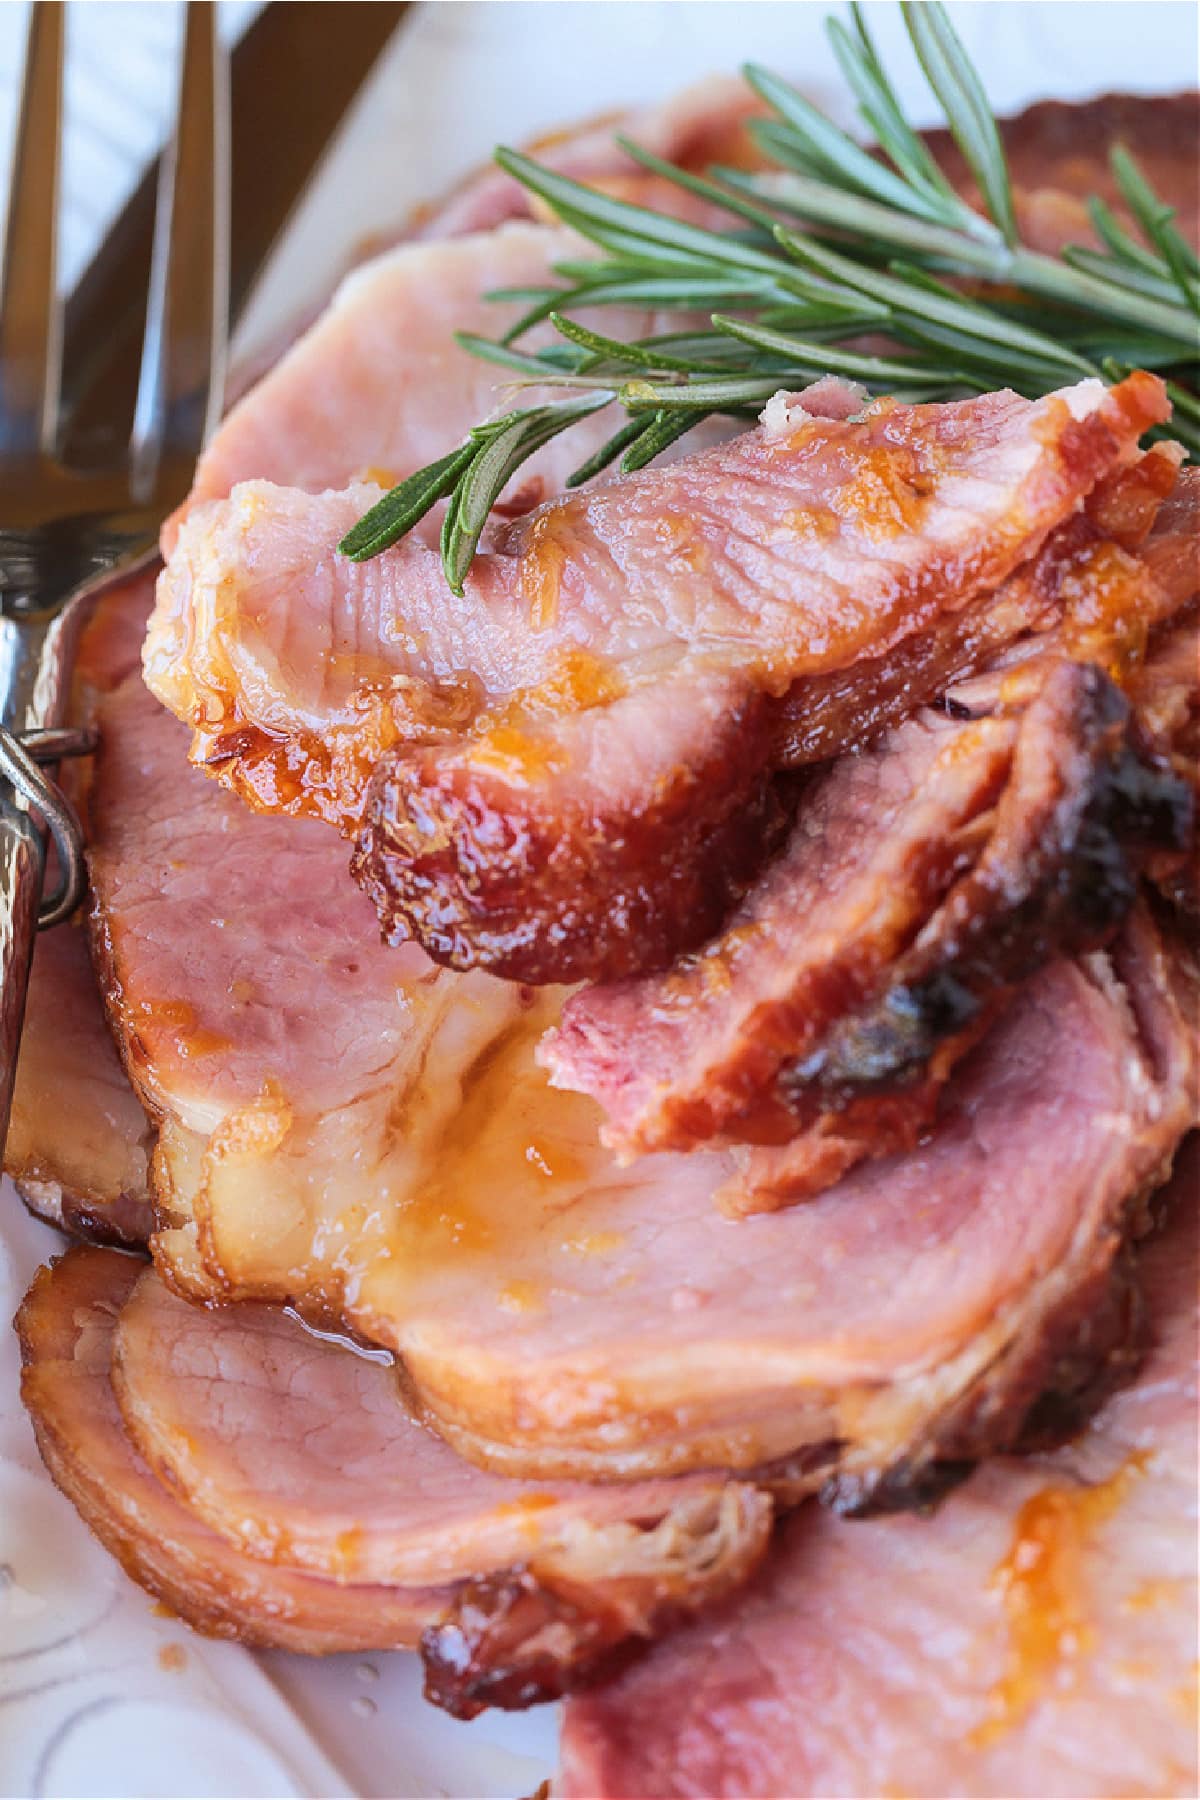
(829, 246)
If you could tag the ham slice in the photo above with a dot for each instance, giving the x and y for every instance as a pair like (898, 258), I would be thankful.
(66, 1325)
(378, 380)
(1059, 155)
(897, 1323)
(508, 731)
(702, 125)
(78, 1142)
(926, 876)
(398, 1540)
(1036, 1636)
(299, 1450)
(379, 1146)
(923, 881)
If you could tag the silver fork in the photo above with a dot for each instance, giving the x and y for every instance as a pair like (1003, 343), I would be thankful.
(66, 533)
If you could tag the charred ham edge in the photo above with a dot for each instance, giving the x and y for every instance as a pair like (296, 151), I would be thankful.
(1013, 841)
(537, 1633)
(670, 871)
(598, 1588)
(1057, 875)
(900, 517)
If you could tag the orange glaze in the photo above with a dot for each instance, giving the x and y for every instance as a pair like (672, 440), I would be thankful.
(506, 745)
(516, 754)
(325, 775)
(889, 489)
(1040, 1584)
(177, 1018)
(542, 562)
(528, 1503)
(1126, 505)
(520, 1297)
(1103, 619)
(514, 1148)
(676, 532)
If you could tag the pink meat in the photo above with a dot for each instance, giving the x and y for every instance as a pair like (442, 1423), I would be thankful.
(1036, 1636)
(300, 1451)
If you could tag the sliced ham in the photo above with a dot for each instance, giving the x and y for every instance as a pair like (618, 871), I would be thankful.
(704, 124)
(373, 1140)
(78, 1143)
(1059, 155)
(378, 381)
(300, 1451)
(495, 723)
(923, 881)
(298, 1455)
(66, 1325)
(902, 1320)
(927, 875)
(1036, 1636)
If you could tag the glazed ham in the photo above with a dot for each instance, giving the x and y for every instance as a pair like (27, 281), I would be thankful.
(154, 1417)
(903, 1320)
(348, 1128)
(1037, 1635)
(927, 875)
(924, 880)
(526, 768)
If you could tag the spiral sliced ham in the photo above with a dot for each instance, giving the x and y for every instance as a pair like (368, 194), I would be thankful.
(1035, 1636)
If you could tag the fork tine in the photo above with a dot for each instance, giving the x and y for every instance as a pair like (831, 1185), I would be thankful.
(182, 378)
(30, 317)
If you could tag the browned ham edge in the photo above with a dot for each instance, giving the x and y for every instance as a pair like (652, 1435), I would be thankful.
(927, 876)
(924, 881)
